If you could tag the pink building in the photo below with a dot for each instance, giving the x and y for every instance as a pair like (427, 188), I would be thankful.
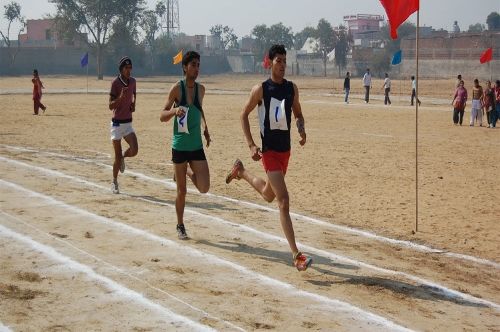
(42, 33)
(364, 28)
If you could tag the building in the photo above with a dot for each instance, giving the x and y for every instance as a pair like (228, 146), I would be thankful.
(43, 33)
(197, 43)
(364, 28)
(446, 55)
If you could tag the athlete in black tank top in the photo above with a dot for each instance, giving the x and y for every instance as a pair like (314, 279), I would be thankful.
(276, 99)
(276, 139)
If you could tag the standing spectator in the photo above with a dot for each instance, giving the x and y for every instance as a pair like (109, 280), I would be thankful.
(367, 83)
(414, 91)
(37, 93)
(387, 89)
(496, 111)
(489, 102)
(347, 86)
(459, 101)
(477, 104)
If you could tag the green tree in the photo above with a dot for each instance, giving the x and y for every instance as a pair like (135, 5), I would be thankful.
(300, 37)
(259, 32)
(98, 19)
(478, 27)
(280, 34)
(226, 35)
(327, 40)
(12, 13)
(493, 21)
(151, 24)
(342, 47)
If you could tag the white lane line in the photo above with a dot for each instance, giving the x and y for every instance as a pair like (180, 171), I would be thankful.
(340, 228)
(377, 135)
(333, 304)
(432, 286)
(4, 328)
(121, 271)
(118, 289)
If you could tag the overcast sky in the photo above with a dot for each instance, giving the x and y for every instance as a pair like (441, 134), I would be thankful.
(197, 16)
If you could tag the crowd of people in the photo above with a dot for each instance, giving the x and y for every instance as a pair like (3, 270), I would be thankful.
(485, 102)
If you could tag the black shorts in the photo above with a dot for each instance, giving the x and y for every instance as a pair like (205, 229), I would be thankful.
(179, 157)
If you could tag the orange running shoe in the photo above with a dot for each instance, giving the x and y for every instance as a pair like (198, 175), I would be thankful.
(301, 261)
(234, 173)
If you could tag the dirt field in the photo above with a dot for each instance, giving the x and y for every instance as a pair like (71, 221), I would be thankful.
(75, 257)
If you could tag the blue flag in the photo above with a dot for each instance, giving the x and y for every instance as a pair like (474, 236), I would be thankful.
(396, 58)
(84, 61)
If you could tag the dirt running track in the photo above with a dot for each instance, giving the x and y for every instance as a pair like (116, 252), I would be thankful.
(75, 257)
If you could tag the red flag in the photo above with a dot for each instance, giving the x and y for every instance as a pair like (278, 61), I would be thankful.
(398, 11)
(266, 64)
(487, 56)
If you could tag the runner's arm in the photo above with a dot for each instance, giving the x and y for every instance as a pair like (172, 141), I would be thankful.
(253, 101)
(169, 112)
(205, 131)
(297, 112)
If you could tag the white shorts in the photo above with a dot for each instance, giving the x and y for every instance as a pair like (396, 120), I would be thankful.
(476, 104)
(120, 130)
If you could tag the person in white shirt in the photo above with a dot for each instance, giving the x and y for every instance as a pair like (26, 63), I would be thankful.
(387, 89)
(414, 91)
(367, 83)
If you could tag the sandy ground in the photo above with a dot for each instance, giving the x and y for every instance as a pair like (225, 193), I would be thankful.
(75, 257)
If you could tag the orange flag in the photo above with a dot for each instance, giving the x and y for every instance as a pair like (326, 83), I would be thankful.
(178, 58)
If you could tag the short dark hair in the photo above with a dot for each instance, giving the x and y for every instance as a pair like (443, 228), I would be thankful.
(276, 49)
(498, 82)
(386, 75)
(476, 80)
(412, 78)
(35, 72)
(459, 77)
(188, 57)
(348, 73)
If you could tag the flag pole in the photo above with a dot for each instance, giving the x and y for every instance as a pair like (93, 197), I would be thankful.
(87, 78)
(416, 124)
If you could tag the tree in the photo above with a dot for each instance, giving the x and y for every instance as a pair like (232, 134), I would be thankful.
(226, 36)
(493, 21)
(265, 37)
(98, 19)
(300, 37)
(280, 34)
(327, 40)
(478, 27)
(259, 32)
(342, 47)
(151, 24)
(12, 13)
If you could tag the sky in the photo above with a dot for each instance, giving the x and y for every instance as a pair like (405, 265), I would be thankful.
(197, 16)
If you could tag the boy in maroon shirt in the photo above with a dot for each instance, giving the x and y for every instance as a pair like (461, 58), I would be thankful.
(122, 99)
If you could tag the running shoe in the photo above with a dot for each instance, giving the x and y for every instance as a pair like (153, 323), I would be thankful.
(181, 232)
(122, 165)
(234, 173)
(114, 188)
(301, 261)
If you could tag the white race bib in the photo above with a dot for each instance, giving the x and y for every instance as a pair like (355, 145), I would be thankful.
(277, 115)
(182, 122)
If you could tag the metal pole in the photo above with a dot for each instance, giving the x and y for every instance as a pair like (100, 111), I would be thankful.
(416, 127)
(87, 78)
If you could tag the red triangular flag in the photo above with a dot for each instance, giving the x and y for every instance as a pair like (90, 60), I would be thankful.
(266, 64)
(398, 11)
(487, 56)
